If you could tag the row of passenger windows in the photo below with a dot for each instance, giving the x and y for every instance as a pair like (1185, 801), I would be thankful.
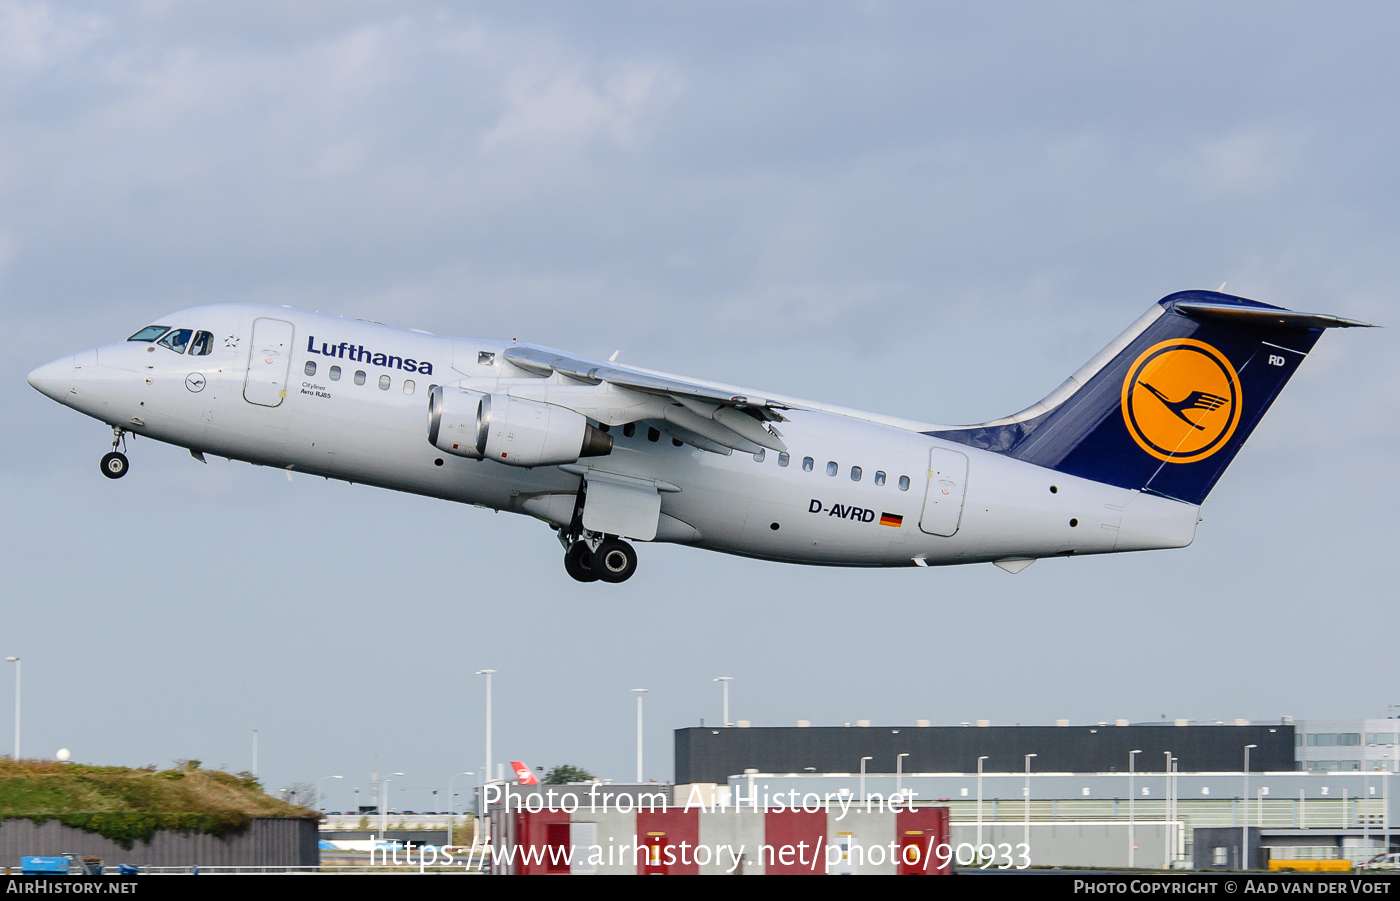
(808, 464)
(334, 375)
(180, 340)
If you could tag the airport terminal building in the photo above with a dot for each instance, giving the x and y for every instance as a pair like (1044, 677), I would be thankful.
(1168, 794)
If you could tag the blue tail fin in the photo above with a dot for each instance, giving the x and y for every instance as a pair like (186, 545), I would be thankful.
(1166, 406)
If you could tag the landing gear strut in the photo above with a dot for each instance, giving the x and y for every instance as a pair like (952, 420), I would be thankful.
(114, 465)
(593, 557)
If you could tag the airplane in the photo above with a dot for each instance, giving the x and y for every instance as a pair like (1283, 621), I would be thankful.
(1118, 458)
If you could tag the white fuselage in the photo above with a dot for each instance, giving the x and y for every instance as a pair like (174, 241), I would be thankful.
(377, 435)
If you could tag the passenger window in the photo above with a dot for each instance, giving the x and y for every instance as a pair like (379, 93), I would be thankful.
(758, 457)
(807, 464)
(177, 340)
(335, 373)
(903, 483)
(629, 430)
(855, 473)
(310, 367)
(383, 383)
(831, 468)
(653, 435)
(150, 333)
(359, 376)
(879, 478)
(783, 459)
(408, 386)
(678, 442)
(202, 345)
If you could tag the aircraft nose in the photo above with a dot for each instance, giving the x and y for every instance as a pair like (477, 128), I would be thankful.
(53, 379)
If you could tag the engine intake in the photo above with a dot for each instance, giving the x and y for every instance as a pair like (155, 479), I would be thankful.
(510, 430)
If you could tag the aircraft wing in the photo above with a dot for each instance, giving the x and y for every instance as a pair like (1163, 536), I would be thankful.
(700, 414)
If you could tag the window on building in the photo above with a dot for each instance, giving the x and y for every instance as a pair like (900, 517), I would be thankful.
(903, 483)
(855, 473)
(783, 459)
(758, 457)
(807, 464)
(879, 478)
(359, 376)
(408, 386)
(1220, 857)
(832, 468)
(1348, 739)
(383, 383)
(334, 373)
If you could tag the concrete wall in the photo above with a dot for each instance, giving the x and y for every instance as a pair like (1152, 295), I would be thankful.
(1070, 844)
(268, 841)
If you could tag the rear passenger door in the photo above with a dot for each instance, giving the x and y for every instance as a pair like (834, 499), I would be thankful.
(947, 486)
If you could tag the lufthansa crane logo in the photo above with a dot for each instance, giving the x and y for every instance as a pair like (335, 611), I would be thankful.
(1181, 400)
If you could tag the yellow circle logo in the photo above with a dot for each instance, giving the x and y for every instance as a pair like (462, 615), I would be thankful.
(1181, 400)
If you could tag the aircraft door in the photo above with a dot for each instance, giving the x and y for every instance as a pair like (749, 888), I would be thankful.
(269, 358)
(947, 487)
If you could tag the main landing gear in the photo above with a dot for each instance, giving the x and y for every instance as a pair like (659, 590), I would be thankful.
(604, 558)
(114, 464)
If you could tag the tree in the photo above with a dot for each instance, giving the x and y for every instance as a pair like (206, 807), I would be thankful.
(564, 773)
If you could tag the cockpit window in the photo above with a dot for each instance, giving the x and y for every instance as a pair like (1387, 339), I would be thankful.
(202, 345)
(177, 340)
(150, 333)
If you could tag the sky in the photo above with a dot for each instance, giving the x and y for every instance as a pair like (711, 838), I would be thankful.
(931, 210)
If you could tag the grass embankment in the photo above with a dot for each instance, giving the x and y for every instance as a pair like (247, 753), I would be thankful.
(124, 804)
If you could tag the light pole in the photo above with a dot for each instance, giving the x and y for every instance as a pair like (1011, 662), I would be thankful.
(384, 805)
(255, 753)
(487, 673)
(1167, 815)
(318, 790)
(451, 807)
(1028, 800)
(16, 662)
(1132, 820)
(979, 801)
(725, 680)
(862, 778)
(639, 692)
(1244, 840)
(899, 774)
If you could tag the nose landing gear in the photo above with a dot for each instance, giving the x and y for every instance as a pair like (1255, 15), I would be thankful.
(114, 465)
(595, 558)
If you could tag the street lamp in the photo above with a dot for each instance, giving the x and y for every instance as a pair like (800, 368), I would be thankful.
(899, 774)
(1028, 800)
(451, 799)
(1167, 816)
(862, 778)
(979, 801)
(1244, 799)
(1132, 798)
(384, 805)
(16, 662)
(725, 680)
(318, 789)
(639, 692)
(487, 673)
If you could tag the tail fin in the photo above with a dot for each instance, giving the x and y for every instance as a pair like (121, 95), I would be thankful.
(523, 774)
(1166, 406)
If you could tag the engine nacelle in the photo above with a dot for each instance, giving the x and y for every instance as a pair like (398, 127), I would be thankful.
(454, 421)
(510, 430)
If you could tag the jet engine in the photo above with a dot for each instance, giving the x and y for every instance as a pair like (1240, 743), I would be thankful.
(510, 430)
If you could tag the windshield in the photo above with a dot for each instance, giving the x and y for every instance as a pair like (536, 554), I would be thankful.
(177, 340)
(150, 333)
(202, 345)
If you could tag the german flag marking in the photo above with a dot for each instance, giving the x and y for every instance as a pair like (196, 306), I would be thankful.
(891, 519)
